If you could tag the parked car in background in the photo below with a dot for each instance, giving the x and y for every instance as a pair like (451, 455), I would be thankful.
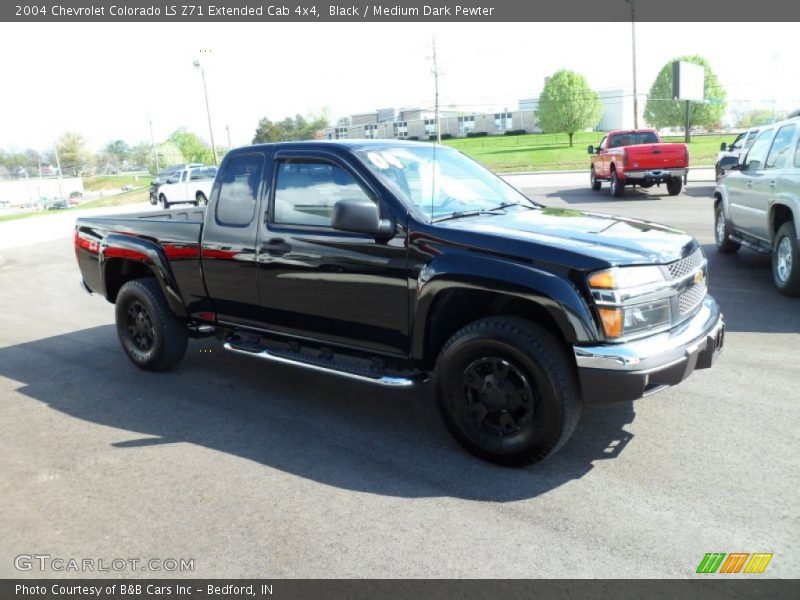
(162, 177)
(55, 204)
(757, 203)
(737, 148)
(191, 185)
(76, 194)
(638, 157)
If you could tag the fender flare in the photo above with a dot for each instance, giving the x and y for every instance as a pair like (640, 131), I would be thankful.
(120, 245)
(555, 294)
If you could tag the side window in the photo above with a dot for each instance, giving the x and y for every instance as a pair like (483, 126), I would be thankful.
(305, 192)
(238, 192)
(737, 143)
(778, 156)
(797, 154)
(603, 142)
(758, 153)
(183, 176)
(750, 139)
(196, 175)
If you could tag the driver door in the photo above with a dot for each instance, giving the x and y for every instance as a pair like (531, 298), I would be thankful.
(319, 283)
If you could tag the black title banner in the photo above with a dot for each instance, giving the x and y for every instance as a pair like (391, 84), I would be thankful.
(368, 11)
(414, 589)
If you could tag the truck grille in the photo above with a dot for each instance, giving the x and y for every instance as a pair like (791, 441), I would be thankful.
(681, 268)
(690, 298)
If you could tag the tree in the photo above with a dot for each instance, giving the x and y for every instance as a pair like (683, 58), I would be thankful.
(758, 116)
(141, 154)
(73, 154)
(567, 104)
(168, 154)
(191, 147)
(299, 128)
(118, 150)
(662, 110)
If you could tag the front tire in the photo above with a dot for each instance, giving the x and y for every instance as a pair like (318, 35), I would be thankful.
(617, 186)
(151, 335)
(201, 199)
(163, 199)
(722, 232)
(785, 260)
(507, 391)
(674, 186)
(153, 199)
(593, 180)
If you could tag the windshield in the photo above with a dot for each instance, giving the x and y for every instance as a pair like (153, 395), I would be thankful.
(439, 181)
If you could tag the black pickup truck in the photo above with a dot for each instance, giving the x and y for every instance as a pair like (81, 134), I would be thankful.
(395, 263)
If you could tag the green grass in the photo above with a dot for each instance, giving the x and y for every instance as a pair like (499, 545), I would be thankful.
(551, 152)
(96, 183)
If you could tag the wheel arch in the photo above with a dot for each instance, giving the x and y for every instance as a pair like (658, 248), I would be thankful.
(448, 302)
(125, 258)
(779, 214)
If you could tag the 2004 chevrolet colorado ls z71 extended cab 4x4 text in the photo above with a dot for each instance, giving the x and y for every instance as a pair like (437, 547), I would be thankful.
(395, 262)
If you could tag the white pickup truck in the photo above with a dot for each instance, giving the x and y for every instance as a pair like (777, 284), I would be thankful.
(191, 185)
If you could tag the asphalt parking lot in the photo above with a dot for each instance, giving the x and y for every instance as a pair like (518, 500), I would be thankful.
(252, 469)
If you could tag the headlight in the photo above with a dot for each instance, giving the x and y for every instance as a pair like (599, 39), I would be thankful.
(631, 300)
(625, 277)
(627, 321)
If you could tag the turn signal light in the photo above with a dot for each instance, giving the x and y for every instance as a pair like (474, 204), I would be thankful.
(603, 280)
(612, 321)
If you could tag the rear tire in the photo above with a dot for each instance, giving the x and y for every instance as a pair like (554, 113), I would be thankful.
(151, 335)
(163, 199)
(617, 186)
(507, 391)
(594, 181)
(674, 186)
(785, 260)
(722, 232)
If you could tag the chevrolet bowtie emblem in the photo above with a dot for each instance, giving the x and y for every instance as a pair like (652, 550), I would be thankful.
(698, 277)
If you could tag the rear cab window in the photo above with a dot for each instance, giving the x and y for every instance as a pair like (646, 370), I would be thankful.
(238, 190)
(633, 138)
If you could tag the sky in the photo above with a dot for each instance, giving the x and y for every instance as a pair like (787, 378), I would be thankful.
(110, 80)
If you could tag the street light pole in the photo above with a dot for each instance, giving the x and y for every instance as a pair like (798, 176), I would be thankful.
(197, 64)
(633, 46)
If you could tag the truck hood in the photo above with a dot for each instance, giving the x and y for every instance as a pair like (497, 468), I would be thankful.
(616, 240)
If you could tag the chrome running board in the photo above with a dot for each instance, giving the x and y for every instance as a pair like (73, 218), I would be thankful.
(382, 380)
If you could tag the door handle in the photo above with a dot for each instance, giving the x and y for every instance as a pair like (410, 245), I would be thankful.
(275, 247)
(772, 185)
(749, 183)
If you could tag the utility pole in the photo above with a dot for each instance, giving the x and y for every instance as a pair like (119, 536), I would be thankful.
(228, 131)
(58, 164)
(197, 64)
(633, 46)
(435, 72)
(152, 141)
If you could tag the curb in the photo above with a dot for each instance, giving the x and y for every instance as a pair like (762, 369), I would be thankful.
(573, 171)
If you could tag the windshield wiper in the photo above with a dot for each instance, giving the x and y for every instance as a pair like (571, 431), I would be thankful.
(465, 213)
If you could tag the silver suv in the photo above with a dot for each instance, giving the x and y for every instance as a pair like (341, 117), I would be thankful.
(757, 203)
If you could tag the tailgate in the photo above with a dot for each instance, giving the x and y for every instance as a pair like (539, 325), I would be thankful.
(657, 156)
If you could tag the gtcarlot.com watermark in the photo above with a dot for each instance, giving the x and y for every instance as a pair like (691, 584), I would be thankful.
(60, 564)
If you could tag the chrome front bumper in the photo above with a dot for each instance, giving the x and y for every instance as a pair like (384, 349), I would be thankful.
(634, 369)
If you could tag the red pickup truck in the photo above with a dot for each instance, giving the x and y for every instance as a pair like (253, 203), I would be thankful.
(638, 157)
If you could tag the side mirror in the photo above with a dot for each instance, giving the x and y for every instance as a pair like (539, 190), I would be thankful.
(729, 163)
(591, 149)
(360, 216)
(723, 147)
